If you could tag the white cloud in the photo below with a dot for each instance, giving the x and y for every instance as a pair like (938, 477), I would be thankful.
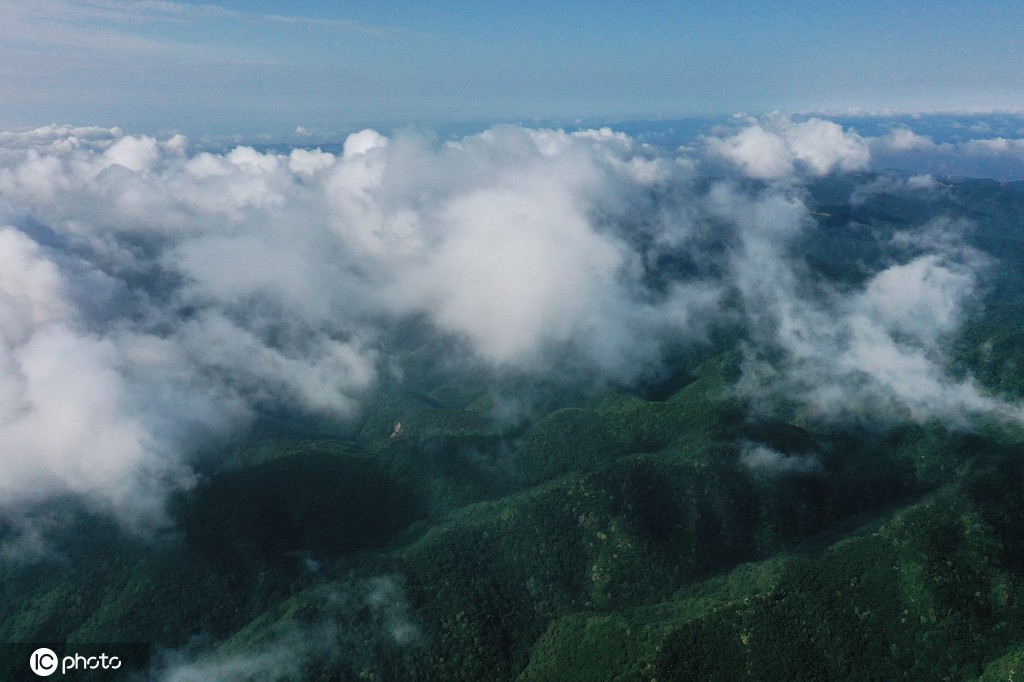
(758, 152)
(67, 419)
(874, 352)
(764, 460)
(136, 153)
(309, 162)
(997, 146)
(1001, 158)
(515, 265)
(904, 139)
(362, 142)
(60, 138)
(193, 290)
(920, 299)
(777, 147)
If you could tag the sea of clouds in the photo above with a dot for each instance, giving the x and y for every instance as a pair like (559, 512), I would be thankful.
(153, 297)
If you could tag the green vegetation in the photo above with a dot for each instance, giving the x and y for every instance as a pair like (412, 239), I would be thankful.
(525, 529)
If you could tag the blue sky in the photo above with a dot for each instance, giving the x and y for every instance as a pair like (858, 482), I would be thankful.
(268, 67)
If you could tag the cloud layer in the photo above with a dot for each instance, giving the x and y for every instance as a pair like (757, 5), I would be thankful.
(152, 298)
(997, 157)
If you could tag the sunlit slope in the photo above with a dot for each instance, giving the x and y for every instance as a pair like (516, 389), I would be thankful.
(930, 593)
(505, 585)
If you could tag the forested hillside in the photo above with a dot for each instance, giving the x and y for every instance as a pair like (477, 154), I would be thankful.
(717, 517)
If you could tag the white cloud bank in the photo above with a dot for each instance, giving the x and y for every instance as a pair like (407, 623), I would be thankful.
(151, 299)
(1001, 158)
(778, 147)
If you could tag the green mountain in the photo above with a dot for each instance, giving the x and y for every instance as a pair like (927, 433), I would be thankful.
(518, 527)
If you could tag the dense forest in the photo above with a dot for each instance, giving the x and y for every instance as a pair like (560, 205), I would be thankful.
(472, 522)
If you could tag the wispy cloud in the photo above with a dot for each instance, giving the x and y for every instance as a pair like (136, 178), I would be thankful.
(762, 459)
(341, 24)
(105, 25)
(353, 629)
(138, 12)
